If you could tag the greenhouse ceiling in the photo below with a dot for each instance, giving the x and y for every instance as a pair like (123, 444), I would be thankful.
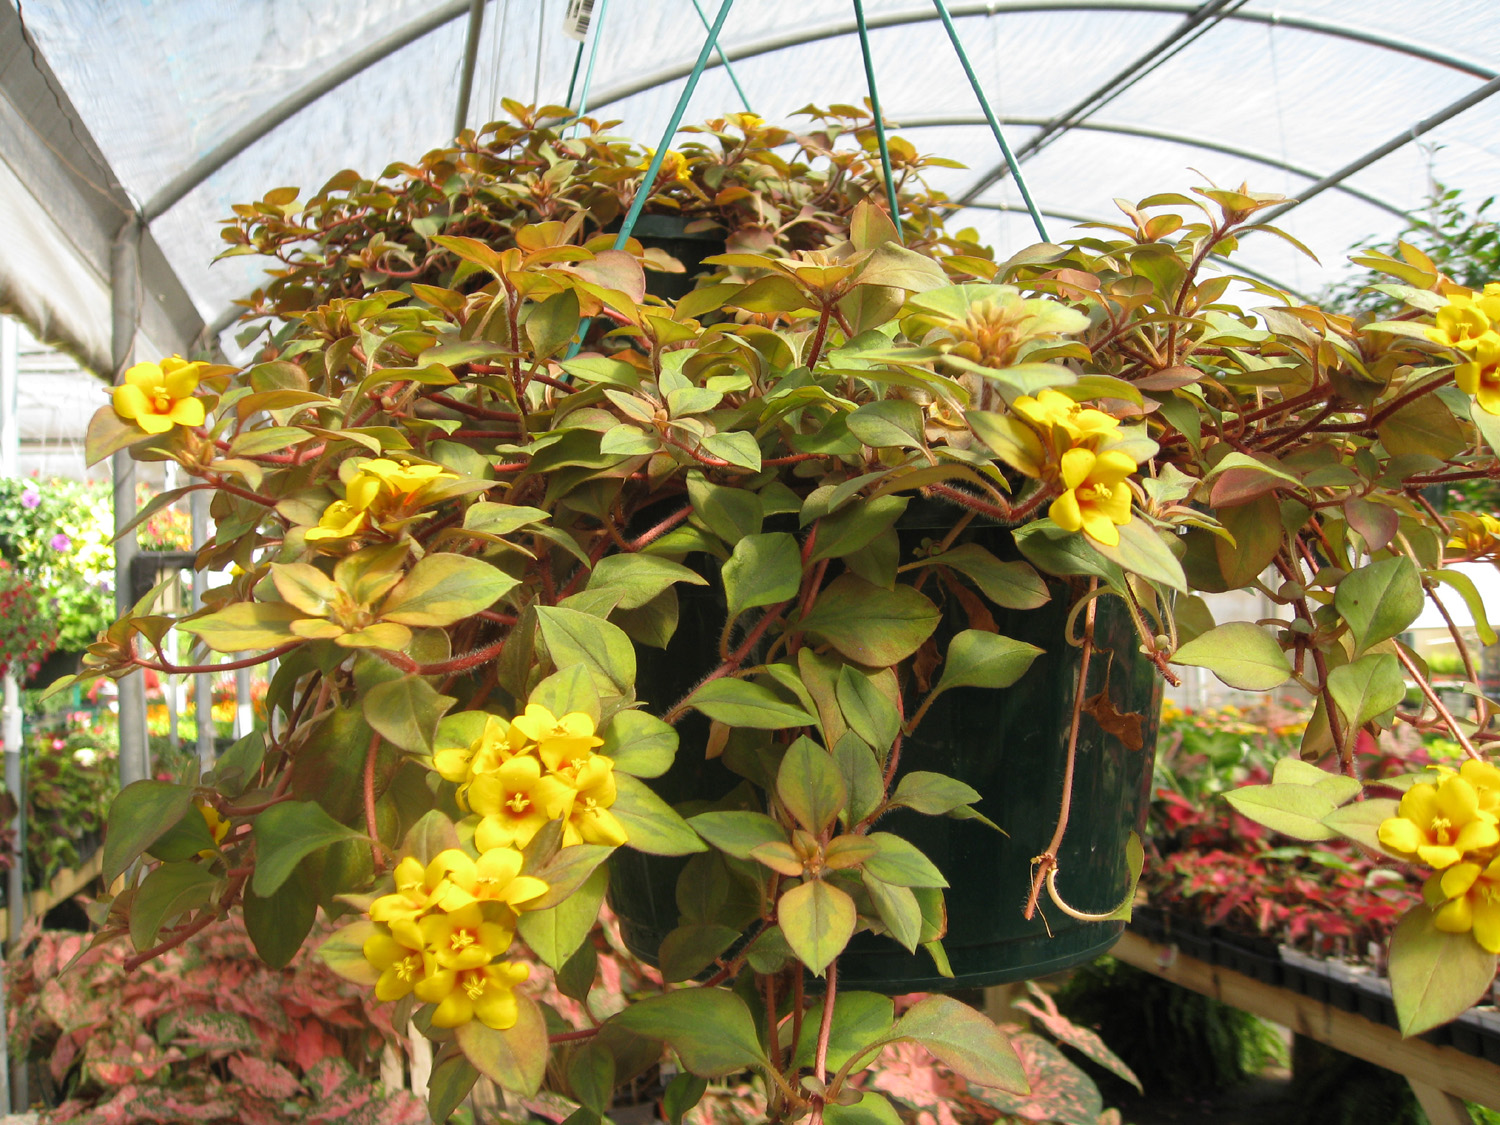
(156, 115)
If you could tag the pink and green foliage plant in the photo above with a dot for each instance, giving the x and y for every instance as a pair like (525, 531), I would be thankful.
(207, 1034)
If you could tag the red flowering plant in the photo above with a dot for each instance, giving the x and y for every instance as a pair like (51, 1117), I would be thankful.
(30, 634)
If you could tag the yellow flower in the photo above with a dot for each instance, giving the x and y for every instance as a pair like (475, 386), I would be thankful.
(486, 992)
(1480, 376)
(515, 801)
(1460, 323)
(570, 739)
(496, 877)
(463, 938)
(339, 520)
(1466, 897)
(158, 396)
(1476, 534)
(1440, 823)
(1485, 779)
(1097, 499)
(400, 957)
(589, 819)
(496, 745)
(414, 891)
(375, 490)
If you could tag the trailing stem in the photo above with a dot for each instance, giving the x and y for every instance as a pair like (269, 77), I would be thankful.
(1047, 861)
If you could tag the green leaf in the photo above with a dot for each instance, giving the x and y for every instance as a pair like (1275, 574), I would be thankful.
(1361, 821)
(344, 953)
(245, 625)
(871, 625)
(581, 638)
(860, 1020)
(738, 448)
(285, 834)
(1335, 786)
(576, 978)
(565, 871)
(692, 947)
(740, 703)
(568, 690)
(449, 1084)
(817, 920)
(515, 1059)
(406, 712)
(168, 892)
(810, 786)
(871, 1109)
(900, 863)
(870, 712)
(555, 934)
(1435, 976)
(1379, 600)
(278, 925)
(933, 793)
(985, 660)
(1243, 655)
(640, 744)
(444, 588)
(1470, 594)
(141, 814)
(763, 569)
(1368, 687)
(682, 1094)
(736, 832)
(638, 578)
(1014, 584)
(1294, 810)
(730, 513)
(1143, 551)
(862, 776)
(965, 1040)
(591, 1076)
(898, 909)
(855, 526)
(552, 324)
(710, 1029)
(888, 423)
(651, 825)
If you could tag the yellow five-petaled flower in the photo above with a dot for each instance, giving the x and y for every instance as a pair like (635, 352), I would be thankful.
(1439, 824)
(1096, 499)
(158, 396)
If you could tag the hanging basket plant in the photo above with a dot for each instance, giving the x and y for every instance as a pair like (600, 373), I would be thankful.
(29, 634)
(567, 582)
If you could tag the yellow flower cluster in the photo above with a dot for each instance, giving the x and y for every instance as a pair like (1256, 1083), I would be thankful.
(379, 492)
(1452, 827)
(158, 396)
(519, 775)
(1470, 323)
(443, 929)
(1475, 534)
(1051, 437)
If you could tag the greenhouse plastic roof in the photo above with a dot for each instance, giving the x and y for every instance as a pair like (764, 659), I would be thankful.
(172, 110)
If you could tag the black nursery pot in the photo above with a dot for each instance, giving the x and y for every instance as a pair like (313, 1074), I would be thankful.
(669, 233)
(1009, 744)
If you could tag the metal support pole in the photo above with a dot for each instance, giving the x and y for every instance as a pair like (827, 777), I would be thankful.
(135, 763)
(471, 57)
(203, 682)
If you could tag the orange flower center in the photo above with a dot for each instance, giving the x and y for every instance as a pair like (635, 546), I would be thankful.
(518, 803)
(1442, 830)
(406, 968)
(474, 985)
(460, 940)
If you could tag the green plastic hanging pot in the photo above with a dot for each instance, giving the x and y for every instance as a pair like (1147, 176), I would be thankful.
(1008, 744)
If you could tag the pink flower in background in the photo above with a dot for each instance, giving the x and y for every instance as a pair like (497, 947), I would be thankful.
(61, 542)
(30, 498)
